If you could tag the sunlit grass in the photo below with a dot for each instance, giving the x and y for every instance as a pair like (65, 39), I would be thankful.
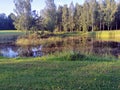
(112, 35)
(59, 72)
(115, 33)
(9, 35)
(10, 32)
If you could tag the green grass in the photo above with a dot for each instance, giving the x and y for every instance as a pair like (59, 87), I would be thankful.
(59, 73)
(10, 32)
(11, 35)
(107, 34)
(68, 34)
(7, 36)
(112, 35)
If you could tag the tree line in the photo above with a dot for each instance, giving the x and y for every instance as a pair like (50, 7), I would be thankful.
(92, 15)
(6, 22)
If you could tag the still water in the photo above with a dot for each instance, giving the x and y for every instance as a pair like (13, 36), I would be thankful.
(86, 45)
(12, 51)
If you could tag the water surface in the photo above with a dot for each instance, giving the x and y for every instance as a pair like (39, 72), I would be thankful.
(85, 45)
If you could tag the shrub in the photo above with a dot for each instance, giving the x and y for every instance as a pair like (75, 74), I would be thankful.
(29, 40)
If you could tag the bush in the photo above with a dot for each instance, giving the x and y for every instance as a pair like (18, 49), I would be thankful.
(77, 56)
(29, 40)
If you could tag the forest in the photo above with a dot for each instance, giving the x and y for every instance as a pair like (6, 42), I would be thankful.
(92, 15)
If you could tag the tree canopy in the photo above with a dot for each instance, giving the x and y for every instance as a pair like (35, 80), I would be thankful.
(92, 15)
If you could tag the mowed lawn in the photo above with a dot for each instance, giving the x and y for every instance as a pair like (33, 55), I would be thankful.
(10, 32)
(38, 74)
(9, 35)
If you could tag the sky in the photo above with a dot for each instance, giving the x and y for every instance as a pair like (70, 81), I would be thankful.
(7, 6)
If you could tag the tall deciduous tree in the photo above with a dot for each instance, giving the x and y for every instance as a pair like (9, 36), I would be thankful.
(77, 17)
(117, 17)
(59, 19)
(11, 18)
(37, 22)
(6, 22)
(49, 15)
(94, 13)
(23, 12)
(110, 10)
(65, 18)
(71, 17)
(85, 16)
(101, 15)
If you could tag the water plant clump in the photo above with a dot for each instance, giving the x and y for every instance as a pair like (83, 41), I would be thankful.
(29, 40)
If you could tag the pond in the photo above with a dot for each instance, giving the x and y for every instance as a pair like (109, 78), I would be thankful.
(12, 51)
(85, 45)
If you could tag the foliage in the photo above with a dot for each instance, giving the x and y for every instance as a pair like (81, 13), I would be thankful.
(29, 40)
(36, 22)
(65, 18)
(6, 22)
(49, 15)
(23, 11)
(92, 15)
(59, 26)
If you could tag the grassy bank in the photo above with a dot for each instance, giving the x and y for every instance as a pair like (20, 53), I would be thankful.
(59, 73)
(35, 39)
(107, 35)
(8, 36)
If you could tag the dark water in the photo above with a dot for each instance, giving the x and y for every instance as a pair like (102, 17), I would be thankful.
(84, 45)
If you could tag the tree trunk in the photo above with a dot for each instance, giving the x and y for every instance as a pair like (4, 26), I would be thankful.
(116, 26)
(100, 25)
(92, 23)
(103, 26)
(108, 26)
